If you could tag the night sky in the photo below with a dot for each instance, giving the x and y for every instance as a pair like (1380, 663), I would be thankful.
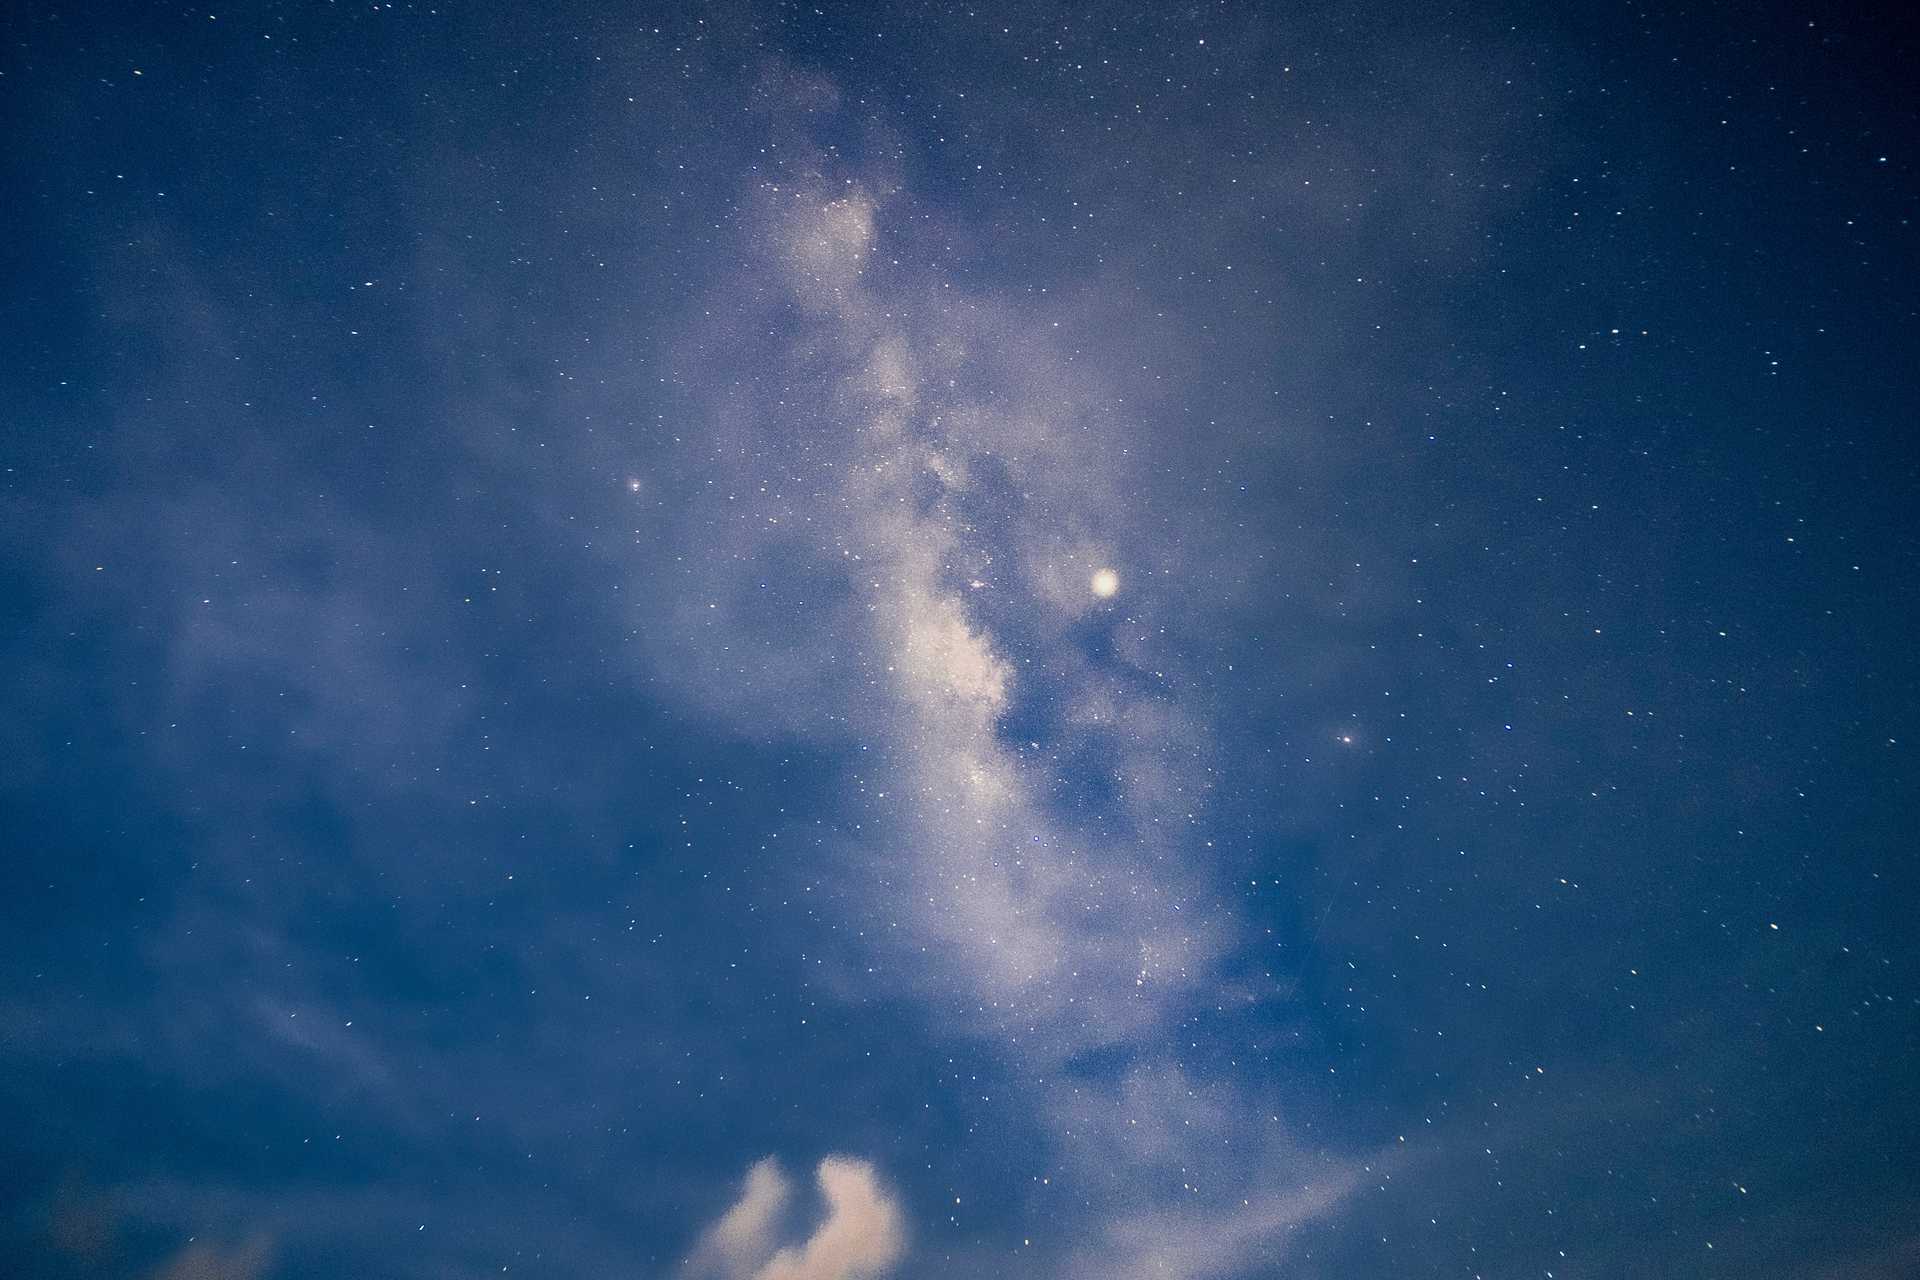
(830, 641)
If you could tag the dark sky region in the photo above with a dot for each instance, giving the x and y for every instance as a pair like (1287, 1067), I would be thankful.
(839, 641)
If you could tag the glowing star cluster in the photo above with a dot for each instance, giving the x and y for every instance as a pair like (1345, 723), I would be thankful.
(1106, 583)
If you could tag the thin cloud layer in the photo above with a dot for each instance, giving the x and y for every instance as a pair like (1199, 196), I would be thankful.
(203, 1261)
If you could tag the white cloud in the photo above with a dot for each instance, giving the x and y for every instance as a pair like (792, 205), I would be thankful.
(863, 1234)
(861, 1237)
(746, 1234)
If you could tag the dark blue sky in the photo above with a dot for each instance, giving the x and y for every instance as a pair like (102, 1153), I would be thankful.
(827, 641)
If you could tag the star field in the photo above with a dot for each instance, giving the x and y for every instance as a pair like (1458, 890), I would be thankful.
(770, 641)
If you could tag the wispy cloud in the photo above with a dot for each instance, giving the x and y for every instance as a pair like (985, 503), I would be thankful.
(203, 1261)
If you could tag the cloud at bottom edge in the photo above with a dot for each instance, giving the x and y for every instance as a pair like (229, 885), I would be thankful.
(861, 1237)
